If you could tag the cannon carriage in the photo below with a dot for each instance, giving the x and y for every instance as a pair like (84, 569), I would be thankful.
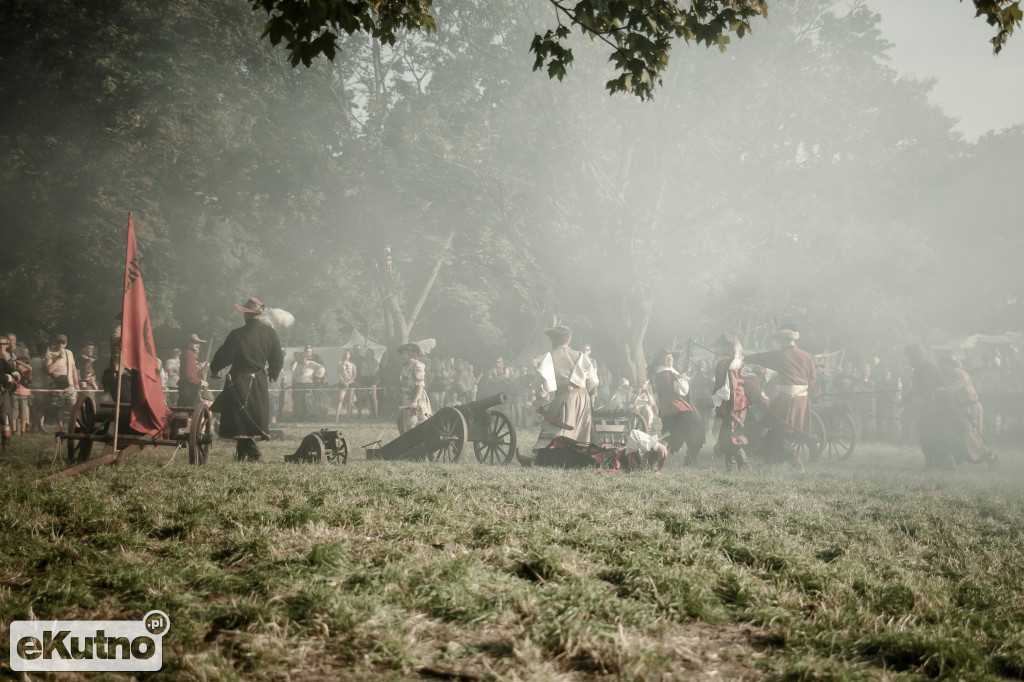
(191, 427)
(443, 437)
(326, 446)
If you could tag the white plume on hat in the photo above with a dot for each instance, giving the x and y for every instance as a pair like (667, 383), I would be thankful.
(426, 345)
(276, 317)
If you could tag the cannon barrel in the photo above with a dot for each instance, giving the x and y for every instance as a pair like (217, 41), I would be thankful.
(475, 410)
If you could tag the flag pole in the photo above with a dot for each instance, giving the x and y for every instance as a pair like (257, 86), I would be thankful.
(120, 347)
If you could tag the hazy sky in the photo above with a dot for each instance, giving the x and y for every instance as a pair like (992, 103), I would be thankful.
(942, 39)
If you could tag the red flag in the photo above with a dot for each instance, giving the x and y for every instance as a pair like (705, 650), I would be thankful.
(150, 413)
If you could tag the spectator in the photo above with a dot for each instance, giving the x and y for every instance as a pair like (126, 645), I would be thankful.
(172, 366)
(435, 383)
(643, 403)
(39, 383)
(15, 349)
(190, 383)
(887, 407)
(60, 365)
(87, 371)
(622, 398)
(8, 381)
(367, 380)
(305, 401)
(347, 373)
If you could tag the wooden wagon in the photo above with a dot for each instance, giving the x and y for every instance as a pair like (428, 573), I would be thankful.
(443, 437)
(191, 427)
(612, 427)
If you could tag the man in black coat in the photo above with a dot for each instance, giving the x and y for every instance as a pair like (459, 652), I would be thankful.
(254, 354)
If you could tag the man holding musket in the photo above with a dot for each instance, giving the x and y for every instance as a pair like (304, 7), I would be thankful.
(788, 412)
(254, 354)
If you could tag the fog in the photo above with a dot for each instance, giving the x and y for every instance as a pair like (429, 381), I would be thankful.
(802, 175)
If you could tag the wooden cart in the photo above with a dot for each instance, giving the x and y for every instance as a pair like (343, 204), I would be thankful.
(612, 427)
(191, 427)
(443, 437)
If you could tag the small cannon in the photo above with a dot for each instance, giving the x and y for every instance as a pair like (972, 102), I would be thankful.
(443, 437)
(326, 446)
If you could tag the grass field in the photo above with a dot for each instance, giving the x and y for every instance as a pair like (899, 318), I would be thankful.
(866, 569)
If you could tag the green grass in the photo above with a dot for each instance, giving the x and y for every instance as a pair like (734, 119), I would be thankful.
(863, 569)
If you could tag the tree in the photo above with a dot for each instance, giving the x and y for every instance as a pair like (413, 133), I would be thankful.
(639, 33)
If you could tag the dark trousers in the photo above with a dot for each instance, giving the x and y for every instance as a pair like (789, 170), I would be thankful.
(684, 427)
(246, 450)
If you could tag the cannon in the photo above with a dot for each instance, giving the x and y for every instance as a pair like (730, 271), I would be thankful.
(443, 437)
(326, 446)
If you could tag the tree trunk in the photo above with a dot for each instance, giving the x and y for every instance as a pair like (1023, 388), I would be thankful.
(636, 317)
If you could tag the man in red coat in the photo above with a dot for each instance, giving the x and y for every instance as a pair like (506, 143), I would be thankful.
(788, 413)
(730, 399)
(190, 384)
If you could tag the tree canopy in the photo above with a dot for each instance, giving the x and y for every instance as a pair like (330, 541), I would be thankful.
(794, 176)
(639, 34)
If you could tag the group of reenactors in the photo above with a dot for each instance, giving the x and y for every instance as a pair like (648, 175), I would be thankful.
(566, 377)
(564, 382)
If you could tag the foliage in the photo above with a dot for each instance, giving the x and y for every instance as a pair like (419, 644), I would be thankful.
(639, 33)
(856, 570)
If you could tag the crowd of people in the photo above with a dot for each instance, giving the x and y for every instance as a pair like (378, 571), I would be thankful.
(741, 402)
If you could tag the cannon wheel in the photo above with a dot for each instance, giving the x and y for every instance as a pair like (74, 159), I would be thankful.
(447, 435)
(499, 443)
(200, 436)
(809, 446)
(81, 422)
(842, 436)
(311, 450)
(340, 455)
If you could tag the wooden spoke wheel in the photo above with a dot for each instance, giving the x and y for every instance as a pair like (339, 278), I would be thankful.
(340, 453)
(637, 423)
(446, 436)
(311, 450)
(499, 443)
(809, 446)
(842, 436)
(200, 436)
(81, 422)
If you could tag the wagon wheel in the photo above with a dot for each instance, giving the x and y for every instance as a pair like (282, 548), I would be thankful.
(499, 443)
(200, 436)
(81, 423)
(311, 450)
(842, 436)
(340, 455)
(809, 446)
(637, 423)
(446, 436)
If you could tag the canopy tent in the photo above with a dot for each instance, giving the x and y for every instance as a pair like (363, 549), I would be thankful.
(332, 355)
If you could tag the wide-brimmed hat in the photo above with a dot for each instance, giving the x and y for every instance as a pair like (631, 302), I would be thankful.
(409, 346)
(789, 332)
(253, 305)
(726, 340)
(194, 339)
(561, 333)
